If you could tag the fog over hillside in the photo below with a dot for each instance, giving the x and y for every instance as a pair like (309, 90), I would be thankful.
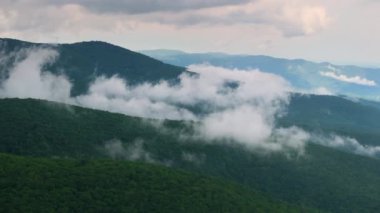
(226, 104)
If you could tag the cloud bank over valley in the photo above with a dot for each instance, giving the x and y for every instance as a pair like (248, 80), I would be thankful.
(229, 105)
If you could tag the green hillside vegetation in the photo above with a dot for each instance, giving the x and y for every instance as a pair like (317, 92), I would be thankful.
(324, 178)
(358, 119)
(83, 62)
(45, 185)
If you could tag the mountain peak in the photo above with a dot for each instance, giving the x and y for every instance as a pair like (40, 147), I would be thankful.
(82, 61)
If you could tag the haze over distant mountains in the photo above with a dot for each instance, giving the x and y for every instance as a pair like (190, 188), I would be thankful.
(305, 76)
(99, 58)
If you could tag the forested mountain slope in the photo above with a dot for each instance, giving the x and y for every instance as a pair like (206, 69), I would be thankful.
(50, 185)
(324, 178)
(84, 61)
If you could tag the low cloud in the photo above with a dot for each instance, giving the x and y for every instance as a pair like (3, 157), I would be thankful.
(353, 80)
(215, 88)
(28, 81)
(315, 91)
(254, 127)
(132, 151)
(114, 95)
(322, 91)
(347, 144)
(194, 158)
(226, 104)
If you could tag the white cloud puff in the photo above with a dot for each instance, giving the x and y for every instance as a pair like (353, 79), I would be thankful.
(346, 144)
(354, 79)
(27, 81)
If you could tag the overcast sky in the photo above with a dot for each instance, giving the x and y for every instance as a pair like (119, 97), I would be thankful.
(340, 31)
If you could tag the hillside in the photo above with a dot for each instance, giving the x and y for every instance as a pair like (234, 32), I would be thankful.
(46, 185)
(302, 74)
(83, 62)
(190, 106)
(324, 178)
(355, 118)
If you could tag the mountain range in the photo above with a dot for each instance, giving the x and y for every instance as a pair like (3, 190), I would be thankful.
(53, 152)
(305, 76)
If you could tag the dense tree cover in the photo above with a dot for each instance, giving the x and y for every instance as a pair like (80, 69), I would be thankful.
(358, 119)
(323, 178)
(83, 62)
(49, 185)
(39, 128)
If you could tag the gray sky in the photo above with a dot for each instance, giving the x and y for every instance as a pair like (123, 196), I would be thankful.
(341, 31)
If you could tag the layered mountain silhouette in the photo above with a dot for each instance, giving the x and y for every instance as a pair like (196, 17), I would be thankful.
(61, 157)
(304, 75)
